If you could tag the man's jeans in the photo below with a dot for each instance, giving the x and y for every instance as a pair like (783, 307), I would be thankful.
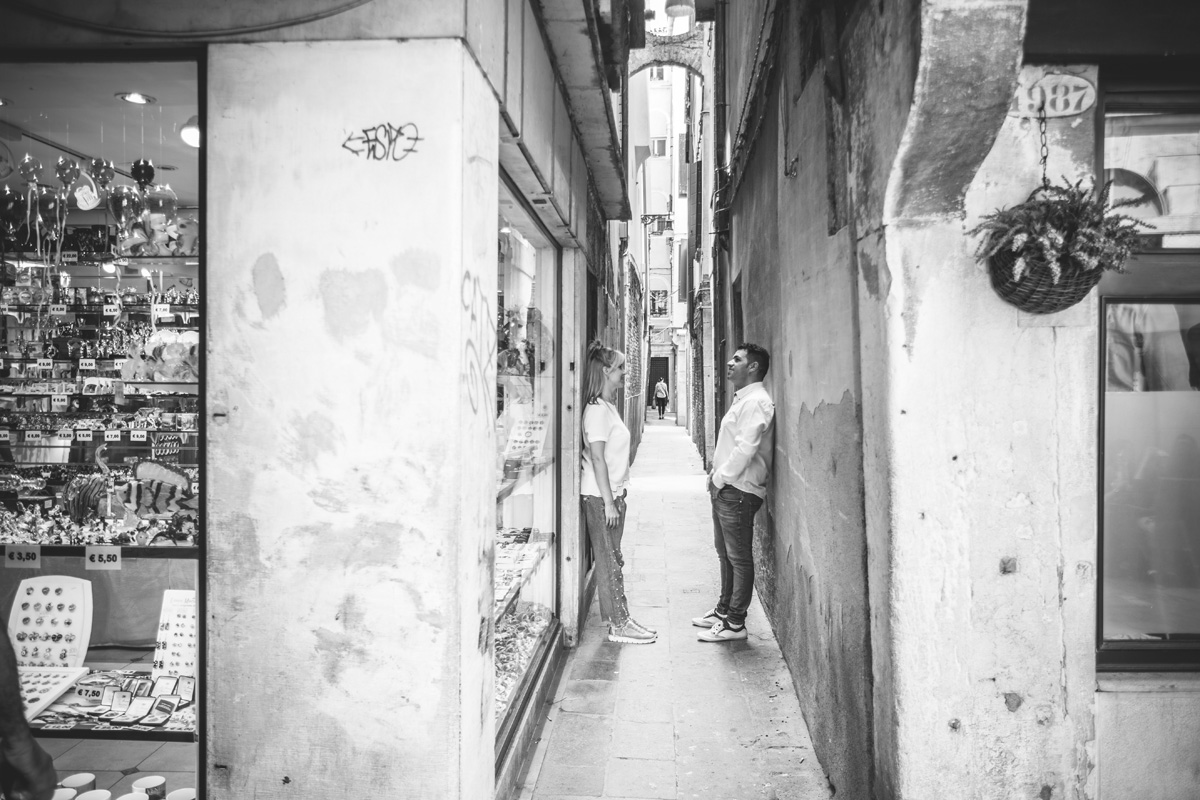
(733, 526)
(606, 549)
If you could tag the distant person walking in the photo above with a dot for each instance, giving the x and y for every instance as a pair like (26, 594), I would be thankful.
(737, 487)
(602, 488)
(661, 393)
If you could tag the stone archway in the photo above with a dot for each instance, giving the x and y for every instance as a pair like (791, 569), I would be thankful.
(683, 50)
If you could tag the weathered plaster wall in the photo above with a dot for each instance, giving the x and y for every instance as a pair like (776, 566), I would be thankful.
(1147, 736)
(798, 289)
(882, 54)
(350, 387)
(991, 417)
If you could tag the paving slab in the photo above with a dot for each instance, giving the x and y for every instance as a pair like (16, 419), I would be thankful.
(679, 719)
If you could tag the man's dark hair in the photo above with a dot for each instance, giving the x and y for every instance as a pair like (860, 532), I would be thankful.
(757, 353)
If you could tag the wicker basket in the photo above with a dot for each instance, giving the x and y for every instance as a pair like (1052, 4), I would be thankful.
(1036, 292)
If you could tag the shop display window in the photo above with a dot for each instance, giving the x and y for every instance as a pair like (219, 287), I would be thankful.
(1150, 513)
(527, 507)
(101, 417)
(1154, 158)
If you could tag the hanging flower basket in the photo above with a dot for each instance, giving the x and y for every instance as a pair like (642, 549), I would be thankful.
(1036, 291)
(1047, 253)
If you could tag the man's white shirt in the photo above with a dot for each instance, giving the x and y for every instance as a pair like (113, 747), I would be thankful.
(746, 442)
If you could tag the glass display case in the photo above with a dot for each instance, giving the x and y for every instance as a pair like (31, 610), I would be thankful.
(526, 460)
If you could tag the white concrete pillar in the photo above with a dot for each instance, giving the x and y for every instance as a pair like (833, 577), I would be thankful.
(351, 285)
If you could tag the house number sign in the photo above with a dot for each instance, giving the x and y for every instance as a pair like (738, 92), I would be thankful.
(1060, 94)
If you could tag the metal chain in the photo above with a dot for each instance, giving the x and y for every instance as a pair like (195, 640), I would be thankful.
(1045, 147)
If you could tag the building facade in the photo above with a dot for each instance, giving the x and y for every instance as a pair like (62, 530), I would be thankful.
(966, 598)
(408, 217)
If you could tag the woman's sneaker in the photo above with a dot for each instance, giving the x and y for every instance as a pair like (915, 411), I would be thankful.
(722, 632)
(708, 620)
(639, 626)
(630, 633)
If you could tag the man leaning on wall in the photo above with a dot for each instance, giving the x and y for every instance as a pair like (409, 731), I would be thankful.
(737, 487)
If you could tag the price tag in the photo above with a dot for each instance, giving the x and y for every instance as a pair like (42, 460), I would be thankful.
(118, 362)
(45, 363)
(87, 363)
(23, 556)
(137, 436)
(65, 433)
(58, 402)
(83, 436)
(111, 310)
(112, 436)
(160, 310)
(90, 692)
(4, 436)
(33, 436)
(102, 557)
(58, 310)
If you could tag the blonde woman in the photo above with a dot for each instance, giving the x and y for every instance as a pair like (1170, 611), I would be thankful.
(602, 489)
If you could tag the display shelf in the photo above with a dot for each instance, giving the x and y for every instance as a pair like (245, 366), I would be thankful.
(62, 719)
(102, 362)
(509, 485)
(525, 562)
(189, 552)
(52, 432)
(120, 732)
(181, 388)
(97, 308)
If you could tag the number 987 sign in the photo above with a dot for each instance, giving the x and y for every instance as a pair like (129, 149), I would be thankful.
(1059, 94)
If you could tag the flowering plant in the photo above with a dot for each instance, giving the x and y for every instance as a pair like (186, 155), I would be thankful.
(1060, 227)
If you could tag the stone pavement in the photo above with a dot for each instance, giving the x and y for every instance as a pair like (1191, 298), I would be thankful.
(679, 718)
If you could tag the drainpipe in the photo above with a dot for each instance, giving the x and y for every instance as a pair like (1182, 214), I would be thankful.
(720, 254)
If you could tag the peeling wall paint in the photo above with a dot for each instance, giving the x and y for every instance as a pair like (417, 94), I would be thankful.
(799, 286)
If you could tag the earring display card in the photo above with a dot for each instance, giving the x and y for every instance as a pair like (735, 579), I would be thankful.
(41, 686)
(175, 652)
(51, 621)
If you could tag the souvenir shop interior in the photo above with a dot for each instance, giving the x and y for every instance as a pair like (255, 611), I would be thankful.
(101, 431)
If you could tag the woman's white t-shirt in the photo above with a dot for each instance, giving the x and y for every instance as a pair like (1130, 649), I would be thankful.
(602, 423)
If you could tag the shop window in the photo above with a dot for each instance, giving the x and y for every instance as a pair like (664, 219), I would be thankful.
(1154, 159)
(1149, 581)
(527, 511)
(101, 436)
(1151, 478)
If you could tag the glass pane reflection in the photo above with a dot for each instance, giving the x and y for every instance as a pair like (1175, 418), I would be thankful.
(1151, 524)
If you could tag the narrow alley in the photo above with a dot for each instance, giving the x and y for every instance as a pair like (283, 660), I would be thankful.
(679, 718)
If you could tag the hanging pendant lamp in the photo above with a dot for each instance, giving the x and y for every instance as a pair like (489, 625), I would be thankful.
(680, 8)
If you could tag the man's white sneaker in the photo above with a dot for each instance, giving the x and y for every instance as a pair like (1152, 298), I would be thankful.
(722, 632)
(708, 620)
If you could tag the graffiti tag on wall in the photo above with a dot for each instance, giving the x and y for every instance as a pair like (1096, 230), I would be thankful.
(479, 351)
(384, 142)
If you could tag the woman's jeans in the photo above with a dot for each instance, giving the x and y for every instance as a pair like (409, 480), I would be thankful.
(606, 548)
(733, 528)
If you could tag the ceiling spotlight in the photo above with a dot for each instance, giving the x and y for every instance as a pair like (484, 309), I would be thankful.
(137, 98)
(4, 101)
(190, 132)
